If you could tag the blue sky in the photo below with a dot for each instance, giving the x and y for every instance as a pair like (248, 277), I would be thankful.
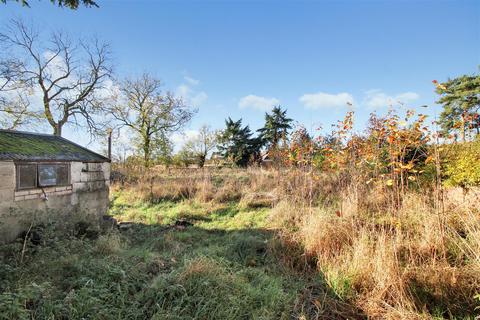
(233, 58)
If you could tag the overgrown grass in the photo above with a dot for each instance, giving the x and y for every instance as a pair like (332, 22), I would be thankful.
(391, 254)
(413, 262)
(224, 266)
(253, 244)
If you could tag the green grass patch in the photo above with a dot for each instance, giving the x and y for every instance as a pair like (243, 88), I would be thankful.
(221, 267)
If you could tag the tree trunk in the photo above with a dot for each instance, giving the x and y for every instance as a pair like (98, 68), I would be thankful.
(57, 130)
(201, 160)
(146, 152)
(146, 157)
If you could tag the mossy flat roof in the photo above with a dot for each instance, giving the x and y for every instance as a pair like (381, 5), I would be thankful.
(28, 146)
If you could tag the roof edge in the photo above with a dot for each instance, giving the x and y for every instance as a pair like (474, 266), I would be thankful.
(60, 137)
(27, 132)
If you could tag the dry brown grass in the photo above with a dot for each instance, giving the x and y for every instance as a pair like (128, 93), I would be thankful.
(253, 188)
(410, 260)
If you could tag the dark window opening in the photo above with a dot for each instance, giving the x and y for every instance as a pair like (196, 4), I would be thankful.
(33, 175)
(26, 176)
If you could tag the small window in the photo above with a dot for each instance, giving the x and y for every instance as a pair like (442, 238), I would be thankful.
(52, 175)
(33, 175)
(26, 176)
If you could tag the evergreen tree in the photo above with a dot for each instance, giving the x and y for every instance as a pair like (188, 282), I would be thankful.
(237, 144)
(276, 127)
(460, 98)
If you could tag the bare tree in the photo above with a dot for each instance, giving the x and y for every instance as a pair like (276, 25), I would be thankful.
(202, 144)
(68, 76)
(10, 115)
(14, 106)
(72, 4)
(151, 114)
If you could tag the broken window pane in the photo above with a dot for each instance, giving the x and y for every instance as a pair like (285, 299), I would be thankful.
(42, 175)
(47, 174)
(27, 176)
(53, 174)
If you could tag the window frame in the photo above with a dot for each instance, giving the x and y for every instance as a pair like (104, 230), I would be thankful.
(17, 175)
(37, 178)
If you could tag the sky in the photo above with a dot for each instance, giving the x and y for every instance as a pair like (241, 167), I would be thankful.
(239, 58)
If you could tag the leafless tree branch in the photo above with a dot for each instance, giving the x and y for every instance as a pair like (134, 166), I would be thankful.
(70, 76)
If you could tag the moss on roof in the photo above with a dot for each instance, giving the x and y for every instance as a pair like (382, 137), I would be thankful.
(25, 146)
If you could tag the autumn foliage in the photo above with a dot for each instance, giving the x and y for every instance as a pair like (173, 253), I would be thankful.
(390, 214)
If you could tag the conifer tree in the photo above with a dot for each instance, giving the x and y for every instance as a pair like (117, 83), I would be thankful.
(460, 98)
(276, 127)
(237, 144)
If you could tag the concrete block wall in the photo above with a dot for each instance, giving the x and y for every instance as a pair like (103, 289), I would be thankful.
(46, 193)
(7, 182)
(88, 193)
(91, 177)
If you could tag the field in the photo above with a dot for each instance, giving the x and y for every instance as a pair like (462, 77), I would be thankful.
(223, 266)
(305, 160)
(250, 244)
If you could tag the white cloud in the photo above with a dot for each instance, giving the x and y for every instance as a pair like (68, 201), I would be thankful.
(108, 89)
(189, 94)
(179, 138)
(199, 98)
(376, 99)
(191, 81)
(183, 91)
(322, 100)
(257, 102)
(57, 66)
(407, 97)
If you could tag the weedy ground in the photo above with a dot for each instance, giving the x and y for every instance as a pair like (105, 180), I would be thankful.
(225, 265)
(252, 244)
